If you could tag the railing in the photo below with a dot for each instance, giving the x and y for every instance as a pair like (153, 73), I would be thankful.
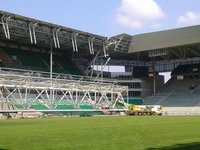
(184, 113)
(31, 73)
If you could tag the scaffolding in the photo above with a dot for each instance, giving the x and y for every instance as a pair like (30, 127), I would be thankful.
(28, 89)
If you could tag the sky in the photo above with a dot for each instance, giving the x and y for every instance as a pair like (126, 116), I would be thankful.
(110, 17)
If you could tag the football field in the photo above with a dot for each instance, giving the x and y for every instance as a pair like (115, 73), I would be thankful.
(101, 133)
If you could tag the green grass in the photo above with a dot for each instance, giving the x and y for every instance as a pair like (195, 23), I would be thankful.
(101, 133)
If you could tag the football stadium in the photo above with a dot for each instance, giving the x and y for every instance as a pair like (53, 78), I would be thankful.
(60, 77)
(49, 68)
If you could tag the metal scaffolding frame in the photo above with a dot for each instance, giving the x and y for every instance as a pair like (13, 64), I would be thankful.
(121, 42)
(27, 90)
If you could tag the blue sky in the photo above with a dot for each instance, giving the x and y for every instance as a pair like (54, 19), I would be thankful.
(110, 17)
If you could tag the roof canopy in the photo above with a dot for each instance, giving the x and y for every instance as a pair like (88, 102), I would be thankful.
(165, 39)
(30, 31)
(178, 43)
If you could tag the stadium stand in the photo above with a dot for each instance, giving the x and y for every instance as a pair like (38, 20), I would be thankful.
(135, 101)
(86, 107)
(67, 65)
(188, 69)
(7, 106)
(28, 60)
(178, 95)
(39, 107)
(26, 80)
(3, 56)
(25, 60)
(61, 107)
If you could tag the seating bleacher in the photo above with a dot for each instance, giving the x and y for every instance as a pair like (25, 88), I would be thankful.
(135, 101)
(39, 107)
(178, 95)
(61, 107)
(28, 60)
(67, 65)
(188, 69)
(86, 107)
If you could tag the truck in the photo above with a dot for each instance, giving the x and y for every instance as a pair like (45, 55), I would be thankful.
(144, 110)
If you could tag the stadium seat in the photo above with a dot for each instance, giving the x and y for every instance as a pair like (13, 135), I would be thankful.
(39, 107)
(60, 107)
(36, 61)
(177, 94)
(86, 107)
(188, 69)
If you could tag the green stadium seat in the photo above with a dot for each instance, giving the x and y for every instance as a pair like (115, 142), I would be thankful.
(29, 60)
(60, 107)
(119, 106)
(86, 107)
(19, 106)
(135, 101)
(39, 107)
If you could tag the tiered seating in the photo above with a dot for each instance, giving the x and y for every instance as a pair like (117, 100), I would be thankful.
(67, 65)
(6, 106)
(28, 60)
(135, 101)
(19, 106)
(189, 69)
(35, 106)
(3, 56)
(86, 107)
(39, 107)
(56, 67)
(61, 107)
(119, 106)
(178, 96)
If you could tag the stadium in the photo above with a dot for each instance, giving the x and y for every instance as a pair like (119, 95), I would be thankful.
(49, 67)
(48, 70)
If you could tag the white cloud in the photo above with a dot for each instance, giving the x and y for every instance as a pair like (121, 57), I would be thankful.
(138, 14)
(190, 18)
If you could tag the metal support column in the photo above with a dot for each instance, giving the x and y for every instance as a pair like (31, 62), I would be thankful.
(102, 67)
(51, 71)
(32, 33)
(154, 80)
(4, 21)
(74, 42)
(51, 59)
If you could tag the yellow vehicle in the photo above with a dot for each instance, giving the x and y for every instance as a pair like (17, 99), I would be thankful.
(141, 110)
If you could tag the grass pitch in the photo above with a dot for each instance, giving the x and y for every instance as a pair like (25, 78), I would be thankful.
(101, 133)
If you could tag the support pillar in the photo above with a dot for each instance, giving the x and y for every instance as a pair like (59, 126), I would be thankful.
(154, 81)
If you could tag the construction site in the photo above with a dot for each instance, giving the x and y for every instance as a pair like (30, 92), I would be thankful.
(52, 70)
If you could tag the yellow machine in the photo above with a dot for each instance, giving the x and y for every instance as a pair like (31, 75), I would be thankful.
(144, 110)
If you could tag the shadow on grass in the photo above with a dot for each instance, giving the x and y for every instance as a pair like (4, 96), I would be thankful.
(3, 149)
(190, 146)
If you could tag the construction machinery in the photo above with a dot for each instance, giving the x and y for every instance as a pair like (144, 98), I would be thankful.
(142, 110)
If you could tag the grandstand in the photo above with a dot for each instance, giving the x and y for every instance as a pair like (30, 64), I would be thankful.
(49, 68)
(42, 69)
(182, 92)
